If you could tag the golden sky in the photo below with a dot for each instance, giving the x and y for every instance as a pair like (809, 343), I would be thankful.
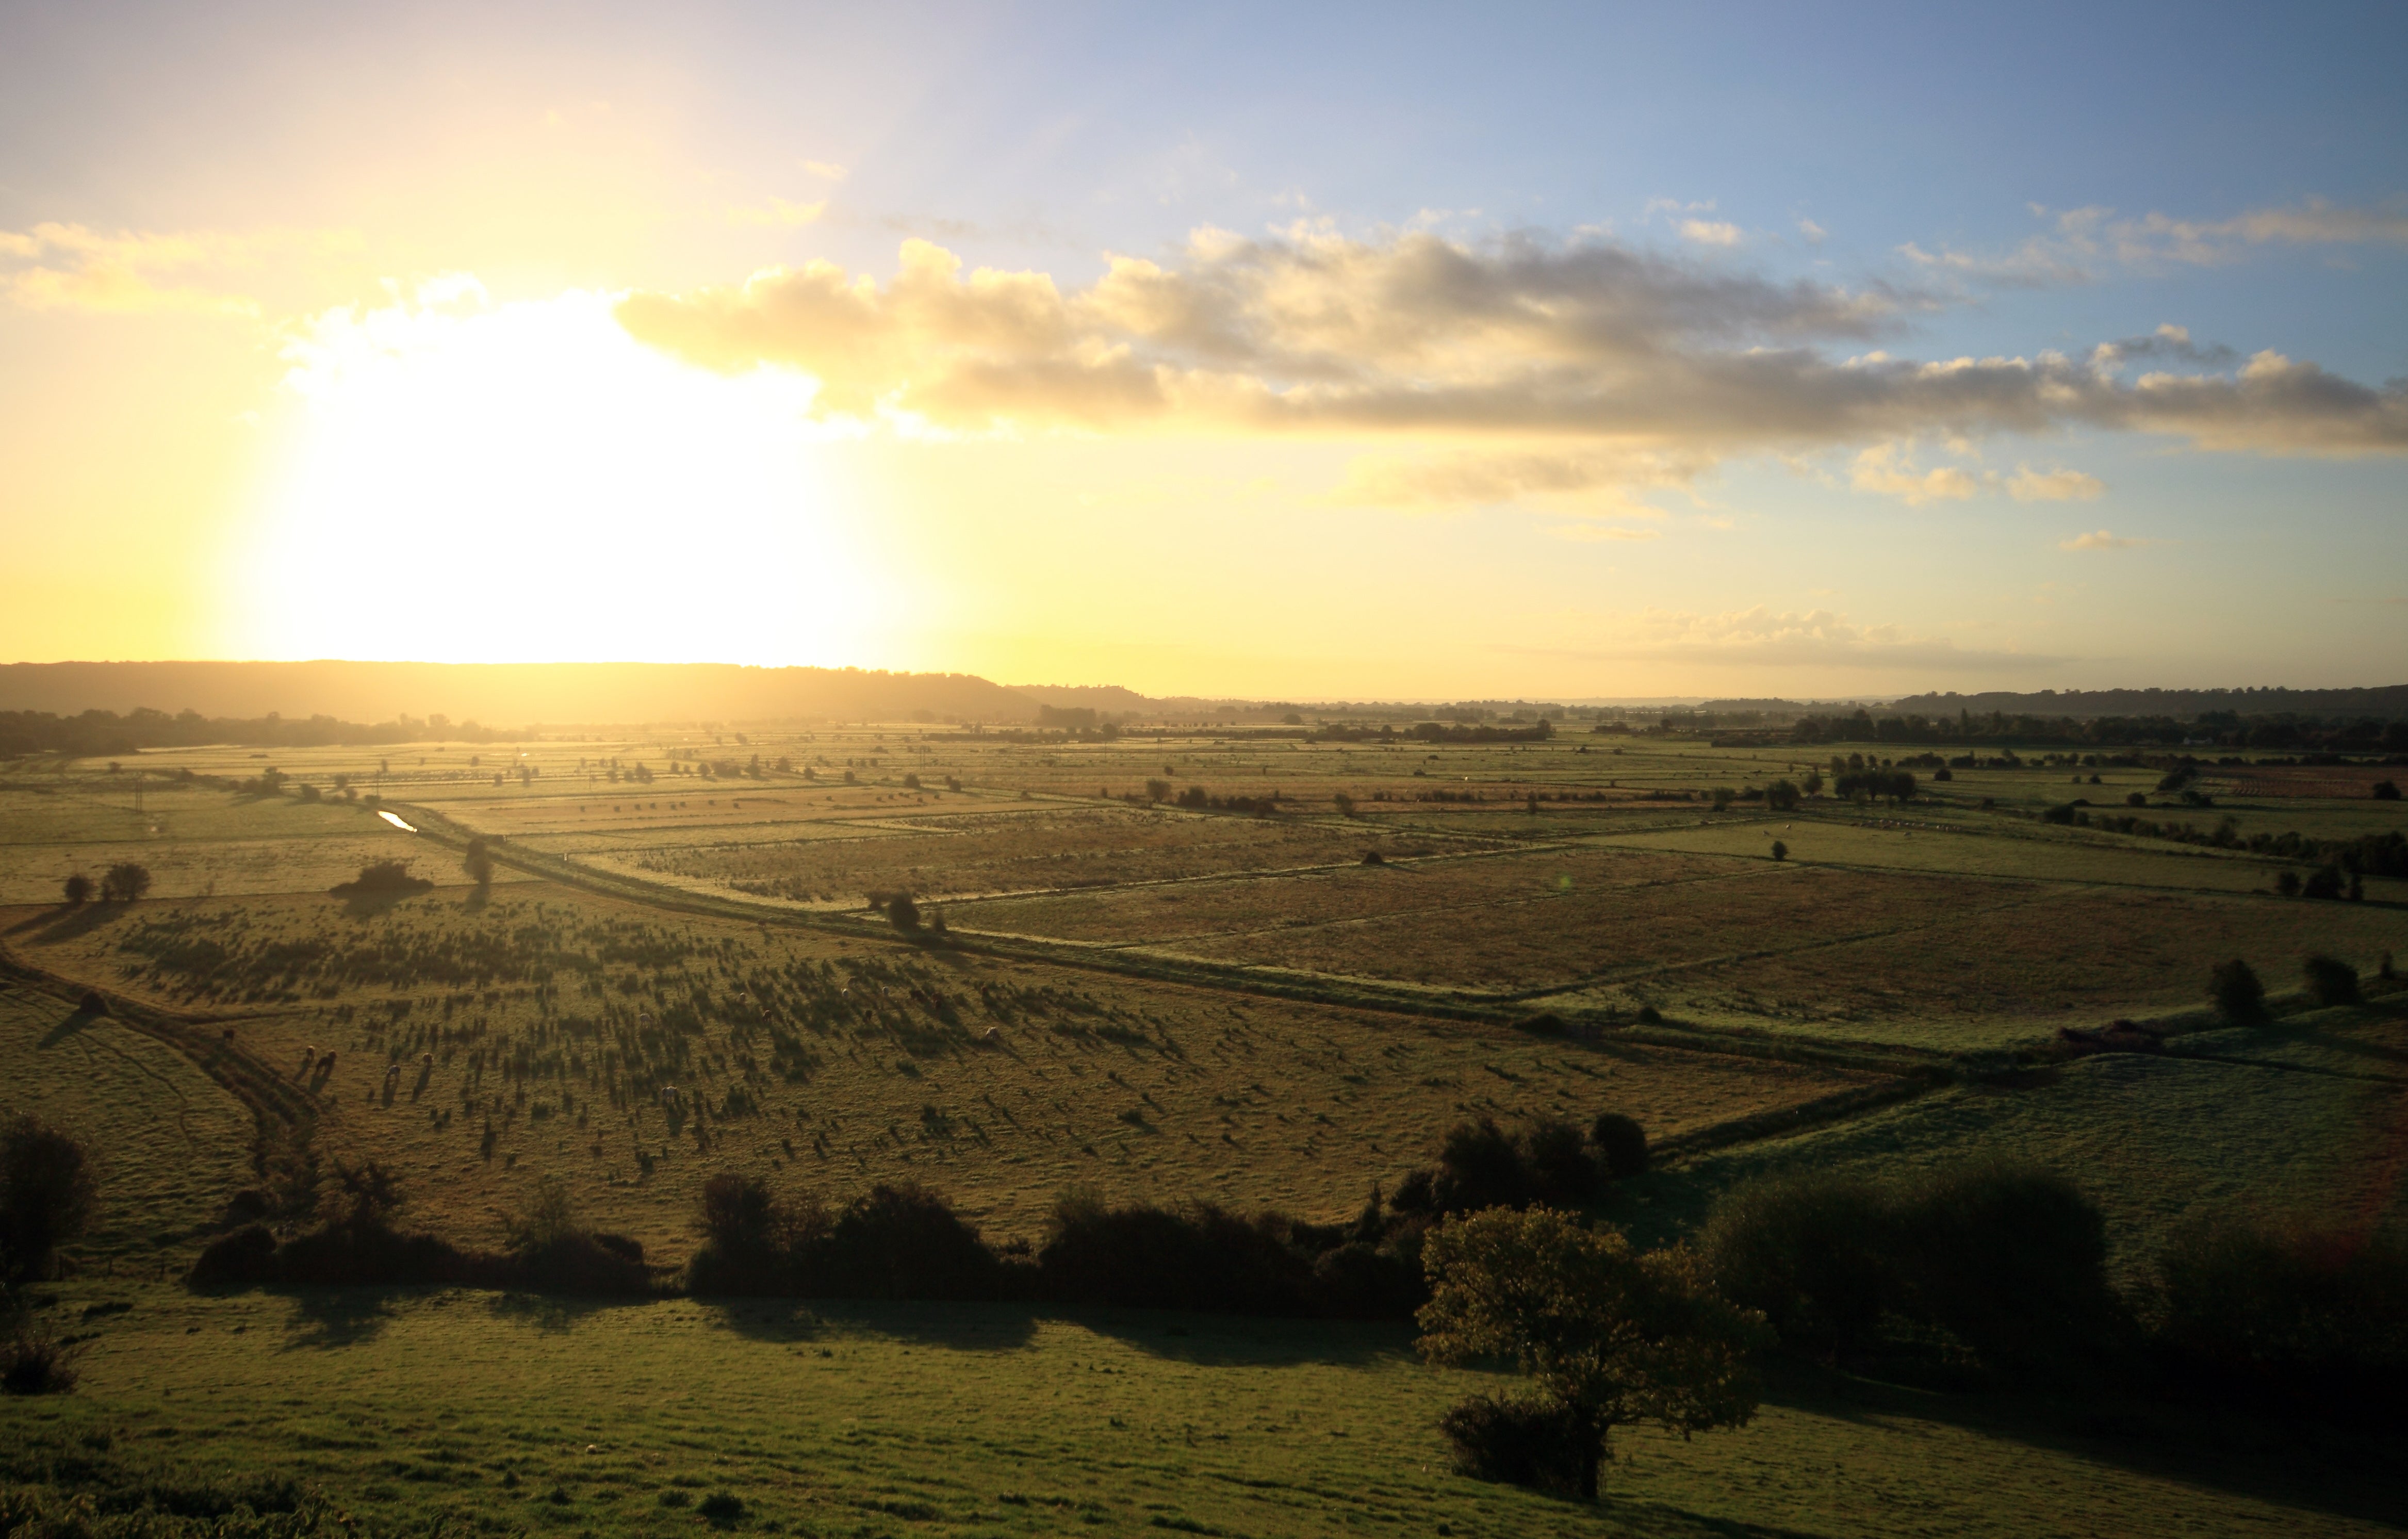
(1257, 359)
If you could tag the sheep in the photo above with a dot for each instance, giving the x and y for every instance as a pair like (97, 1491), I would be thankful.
(229, 1036)
(668, 1095)
(308, 1057)
(994, 1033)
(326, 1064)
(426, 1060)
(392, 1071)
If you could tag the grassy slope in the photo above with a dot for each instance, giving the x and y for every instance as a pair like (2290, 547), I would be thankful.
(989, 1420)
(172, 1146)
(2154, 1141)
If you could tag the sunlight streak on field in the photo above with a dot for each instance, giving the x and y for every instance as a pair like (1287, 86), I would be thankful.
(470, 481)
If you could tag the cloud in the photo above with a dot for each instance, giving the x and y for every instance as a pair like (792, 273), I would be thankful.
(72, 268)
(1471, 479)
(2082, 242)
(1761, 638)
(1592, 343)
(779, 213)
(1886, 469)
(2061, 486)
(2099, 539)
(827, 171)
(1710, 232)
(1812, 231)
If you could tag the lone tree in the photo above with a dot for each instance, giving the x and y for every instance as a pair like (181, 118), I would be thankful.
(479, 863)
(126, 882)
(2239, 996)
(1782, 796)
(2332, 980)
(77, 890)
(46, 1196)
(1611, 1335)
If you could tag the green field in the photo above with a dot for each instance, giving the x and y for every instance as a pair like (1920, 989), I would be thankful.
(1159, 1004)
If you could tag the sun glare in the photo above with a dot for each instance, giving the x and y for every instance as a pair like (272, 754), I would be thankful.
(467, 482)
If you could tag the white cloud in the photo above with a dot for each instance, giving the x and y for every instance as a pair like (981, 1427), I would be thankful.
(1886, 469)
(1603, 348)
(827, 170)
(2099, 539)
(74, 267)
(1761, 637)
(1590, 534)
(2061, 486)
(1813, 233)
(1710, 232)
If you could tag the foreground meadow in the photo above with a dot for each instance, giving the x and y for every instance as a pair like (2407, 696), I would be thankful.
(463, 1412)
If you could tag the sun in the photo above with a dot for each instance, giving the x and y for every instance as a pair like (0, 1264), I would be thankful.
(464, 481)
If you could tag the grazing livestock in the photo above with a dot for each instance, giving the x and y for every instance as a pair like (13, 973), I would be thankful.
(308, 1057)
(670, 1095)
(426, 1060)
(229, 1036)
(326, 1064)
(994, 1033)
(392, 1071)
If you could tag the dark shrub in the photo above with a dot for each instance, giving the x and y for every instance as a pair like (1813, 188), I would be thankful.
(2013, 1261)
(2287, 884)
(77, 890)
(720, 1509)
(1519, 1440)
(2309, 1315)
(903, 913)
(736, 1214)
(34, 1362)
(1650, 1016)
(1781, 795)
(1818, 1253)
(1621, 1145)
(1358, 1281)
(92, 1003)
(2325, 882)
(1562, 1174)
(478, 861)
(902, 1242)
(2386, 790)
(2239, 997)
(47, 1188)
(2331, 980)
(1543, 1026)
(1197, 1257)
(245, 1259)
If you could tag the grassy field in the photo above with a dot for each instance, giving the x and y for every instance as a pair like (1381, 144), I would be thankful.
(499, 1414)
(1155, 1004)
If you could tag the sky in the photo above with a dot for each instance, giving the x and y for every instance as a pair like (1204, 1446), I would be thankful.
(1278, 352)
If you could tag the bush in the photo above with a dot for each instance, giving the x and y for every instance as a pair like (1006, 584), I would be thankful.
(1816, 1252)
(34, 1362)
(77, 890)
(1780, 850)
(126, 882)
(245, 1259)
(1518, 1440)
(2239, 997)
(2386, 790)
(903, 913)
(902, 1242)
(2314, 1316)
(1782, 796)
(1621, 1145)
(477, 862)
(47, 1188)
(2331, 980)
(2008, 1260)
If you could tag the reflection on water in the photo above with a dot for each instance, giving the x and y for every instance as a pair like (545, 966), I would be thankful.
(395, 820)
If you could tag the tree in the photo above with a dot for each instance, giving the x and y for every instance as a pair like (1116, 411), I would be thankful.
(2332, 980)
(1780, 851)
(1344, 803)
(2239, 996)
(903, 913)
(1723, 797)
(46, 1195)
(1157, 790)
(2386, 790)
(1813, 784)
(1781, 795)
(479, 863)
(77, 890)
(126, 882)
(1611, 1335)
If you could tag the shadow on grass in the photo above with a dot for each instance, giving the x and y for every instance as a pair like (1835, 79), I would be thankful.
(61, 925)
(1242, 1340)
(325, 1318)
(2345, 1469)
(555, 1312)
(959, 1326)
(76, 1022)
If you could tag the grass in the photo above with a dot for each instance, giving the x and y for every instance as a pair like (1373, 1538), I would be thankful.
(495, 1413)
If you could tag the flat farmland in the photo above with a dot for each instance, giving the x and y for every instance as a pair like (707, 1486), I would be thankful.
(1024, 847)
(1206, 911)
(1963, 983)
(555, 1018)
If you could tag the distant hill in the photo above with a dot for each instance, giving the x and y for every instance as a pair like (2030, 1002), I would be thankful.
(511, 694)
(2388, 702)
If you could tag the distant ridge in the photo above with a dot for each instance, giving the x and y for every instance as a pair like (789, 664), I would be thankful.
(511, 694)
(2386, 702)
